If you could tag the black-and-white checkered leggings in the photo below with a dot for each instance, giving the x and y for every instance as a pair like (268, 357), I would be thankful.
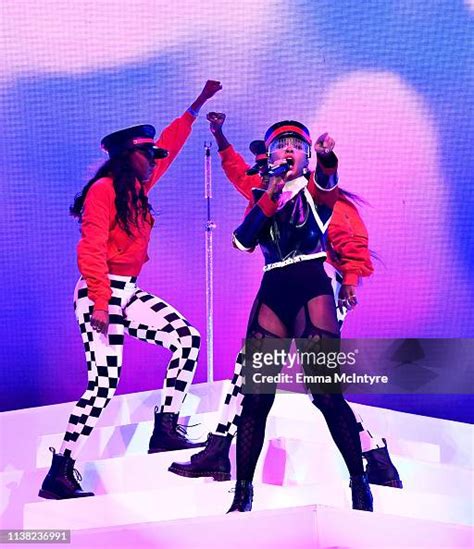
(143, 316)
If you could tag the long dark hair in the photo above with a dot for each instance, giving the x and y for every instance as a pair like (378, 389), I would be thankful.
(129, 203)
(356, 199)
(353, 197)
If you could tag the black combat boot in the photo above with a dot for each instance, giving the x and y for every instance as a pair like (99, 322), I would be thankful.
(243, 497)
(169, 435)
(361, 495)
(213, 461)
(380, 469)
(62, 480)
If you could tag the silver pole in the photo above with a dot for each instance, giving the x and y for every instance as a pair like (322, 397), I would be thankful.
(210, 226)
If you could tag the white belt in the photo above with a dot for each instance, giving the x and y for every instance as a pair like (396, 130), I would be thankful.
(292, 260)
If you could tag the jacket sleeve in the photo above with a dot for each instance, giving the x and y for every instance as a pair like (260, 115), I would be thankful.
(235, 169)
(323, 183)
(92, 247)
(172, 138)
(258, 214)
(348, 243)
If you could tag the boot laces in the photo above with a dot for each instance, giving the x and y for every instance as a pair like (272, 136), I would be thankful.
(182, 430)
(234, 489)
(75, 479)
(77, 475)
(206, 449)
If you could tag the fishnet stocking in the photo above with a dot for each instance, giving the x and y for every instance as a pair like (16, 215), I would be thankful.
(339, 417)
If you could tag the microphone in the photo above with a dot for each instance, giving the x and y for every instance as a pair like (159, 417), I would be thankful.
(259, 149)
(281, 169)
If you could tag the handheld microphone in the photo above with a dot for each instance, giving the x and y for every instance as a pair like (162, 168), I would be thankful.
(281, 169)
(259, 149)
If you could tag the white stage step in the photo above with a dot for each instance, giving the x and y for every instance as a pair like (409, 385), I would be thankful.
(312, 428)
(299, 467)
(123, 410)
(283, 462)
(194, 499)
(434, 439)
(453, 439)
(112, 441)
(306, 527)
(286, 462)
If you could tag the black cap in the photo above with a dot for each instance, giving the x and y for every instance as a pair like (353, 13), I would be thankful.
(287, 128)
(132, 138)
(258, 148)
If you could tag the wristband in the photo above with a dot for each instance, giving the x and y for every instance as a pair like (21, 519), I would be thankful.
(193, 112)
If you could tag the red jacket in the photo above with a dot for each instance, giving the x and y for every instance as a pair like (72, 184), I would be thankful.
(347, 235)
(348, 242)
(104, 246)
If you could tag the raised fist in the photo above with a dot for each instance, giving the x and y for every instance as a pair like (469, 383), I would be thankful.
(216, 120)
(324, 144)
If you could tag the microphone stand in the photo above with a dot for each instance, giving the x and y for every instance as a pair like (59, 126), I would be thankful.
(210, 226)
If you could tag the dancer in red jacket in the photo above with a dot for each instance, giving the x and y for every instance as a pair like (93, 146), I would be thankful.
(348, 259)
(116, 221)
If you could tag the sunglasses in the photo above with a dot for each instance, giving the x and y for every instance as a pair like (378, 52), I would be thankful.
(289, 142)
(148, 152)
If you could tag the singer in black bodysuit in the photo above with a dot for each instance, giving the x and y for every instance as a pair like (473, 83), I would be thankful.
(288, 218)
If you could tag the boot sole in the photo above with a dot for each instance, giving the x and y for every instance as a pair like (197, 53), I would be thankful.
(367, 509)
(392, 483)
(216, 475)
(51, 495)
(159, 450)
(48, 495)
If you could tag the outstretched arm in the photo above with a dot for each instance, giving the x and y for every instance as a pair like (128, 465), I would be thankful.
(233, 164)
(323, 184)
(174, 136)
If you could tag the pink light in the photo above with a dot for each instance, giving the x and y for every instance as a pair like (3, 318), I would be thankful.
(388, 147)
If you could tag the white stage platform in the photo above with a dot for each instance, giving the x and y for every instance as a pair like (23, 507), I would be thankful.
(302, 498)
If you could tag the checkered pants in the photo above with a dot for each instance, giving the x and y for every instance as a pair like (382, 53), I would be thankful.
(231, 405)
(143, 316)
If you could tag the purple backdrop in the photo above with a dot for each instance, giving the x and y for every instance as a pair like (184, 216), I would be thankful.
(391, 81)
